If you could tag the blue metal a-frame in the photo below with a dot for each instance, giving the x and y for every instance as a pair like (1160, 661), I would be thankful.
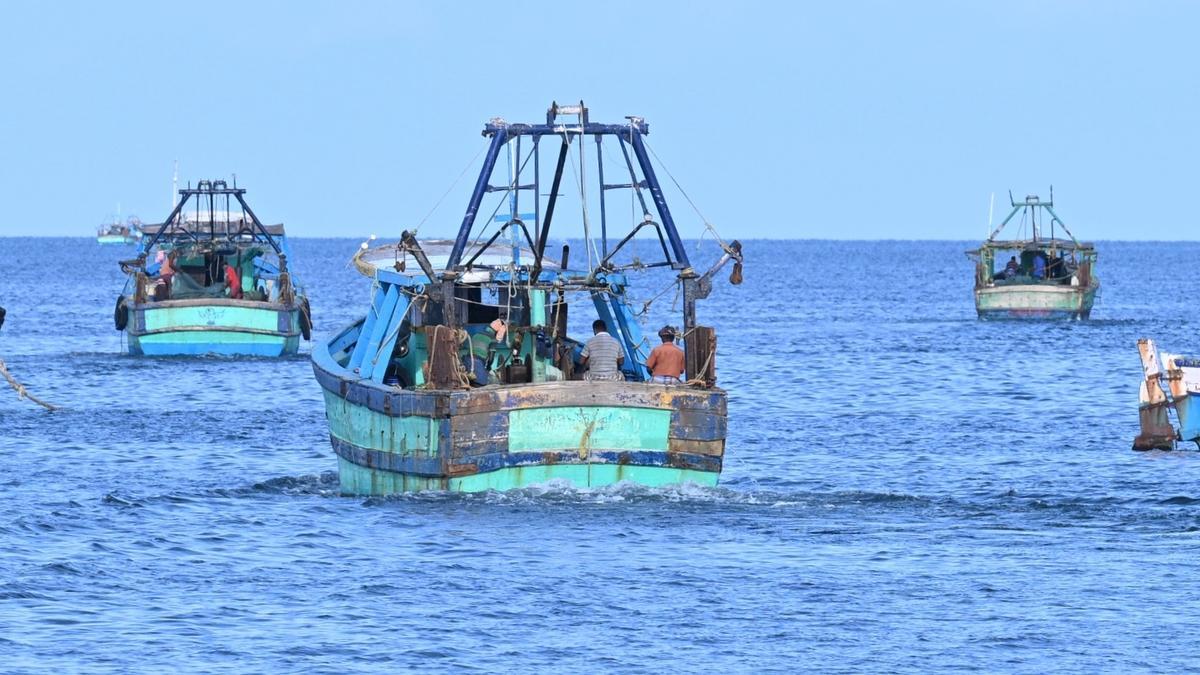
(628, 135)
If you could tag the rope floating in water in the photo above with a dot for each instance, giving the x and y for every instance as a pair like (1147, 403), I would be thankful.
(20, 389)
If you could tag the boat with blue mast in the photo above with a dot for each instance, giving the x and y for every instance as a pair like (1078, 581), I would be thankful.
(212, 280)
(406, 413)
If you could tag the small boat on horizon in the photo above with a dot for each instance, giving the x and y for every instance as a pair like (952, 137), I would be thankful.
(1043, 277)
(117, 232)
(214, 280)
(461, 375)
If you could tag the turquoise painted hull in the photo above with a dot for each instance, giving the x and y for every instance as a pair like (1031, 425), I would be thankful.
(213, 326)
(116, 239)
(589, 434)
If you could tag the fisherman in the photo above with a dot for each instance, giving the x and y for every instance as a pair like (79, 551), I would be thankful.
(666, 360)
(603, 355)
(1012, 268)
(166, 272)
(1039, 267)
(482, 350)
(233, 281)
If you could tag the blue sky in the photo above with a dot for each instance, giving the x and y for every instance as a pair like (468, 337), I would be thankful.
(859, 120)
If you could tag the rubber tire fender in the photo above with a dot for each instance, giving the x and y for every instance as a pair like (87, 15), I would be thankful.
(120, 313)
(305, 319)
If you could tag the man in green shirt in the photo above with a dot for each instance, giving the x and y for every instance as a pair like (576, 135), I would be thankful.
(481, 350)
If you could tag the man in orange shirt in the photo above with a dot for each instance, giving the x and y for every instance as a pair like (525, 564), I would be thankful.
(666, 360)
(233, 281)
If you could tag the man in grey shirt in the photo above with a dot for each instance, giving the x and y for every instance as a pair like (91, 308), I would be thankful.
(603, 355)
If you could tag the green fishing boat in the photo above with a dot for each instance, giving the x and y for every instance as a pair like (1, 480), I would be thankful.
(1034, 277)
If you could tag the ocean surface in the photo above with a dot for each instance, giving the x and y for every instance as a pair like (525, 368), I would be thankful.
(906, 488)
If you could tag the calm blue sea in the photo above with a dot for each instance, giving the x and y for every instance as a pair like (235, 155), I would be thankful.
(906, 489)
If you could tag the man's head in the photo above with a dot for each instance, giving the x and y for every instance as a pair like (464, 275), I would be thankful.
(667, 334)
(598, 326)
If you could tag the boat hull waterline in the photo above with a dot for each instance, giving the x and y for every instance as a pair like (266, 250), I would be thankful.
(590, 434)
(213, 326)
(1034, 302)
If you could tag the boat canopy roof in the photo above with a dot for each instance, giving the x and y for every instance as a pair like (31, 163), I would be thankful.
(212, 227)
(497, 256)
(1034, 245)
(203, 229)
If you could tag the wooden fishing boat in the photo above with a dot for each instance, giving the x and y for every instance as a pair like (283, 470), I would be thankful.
(412, 405)
(117, 232)
(212, 281)
(1156, 404)
(1034, 277)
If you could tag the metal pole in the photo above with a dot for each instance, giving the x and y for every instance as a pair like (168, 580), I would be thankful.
(603, 214)
(258, 224)
(660, 202)
(545, 234)
(537, 186)
(485, 174)
(170, 219)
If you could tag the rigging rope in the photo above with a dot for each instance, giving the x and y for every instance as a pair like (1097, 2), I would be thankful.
(681, 190)
(20, 388)
(449, 189)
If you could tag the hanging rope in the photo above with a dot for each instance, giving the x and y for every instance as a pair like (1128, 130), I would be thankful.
(20, 388)
(460, 373)
(589, 243)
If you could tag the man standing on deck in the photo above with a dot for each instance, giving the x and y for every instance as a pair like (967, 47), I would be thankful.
(166, 272)
(233, 281)
(602, 355)
(666, 360)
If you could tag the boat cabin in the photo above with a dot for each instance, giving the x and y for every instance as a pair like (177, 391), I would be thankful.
(1034, 262)
(186, 257)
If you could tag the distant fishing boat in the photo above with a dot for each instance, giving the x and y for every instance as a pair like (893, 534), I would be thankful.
(423, 393)
(1035, 277)
(212, 280)
(116, 232)
(1181, 397)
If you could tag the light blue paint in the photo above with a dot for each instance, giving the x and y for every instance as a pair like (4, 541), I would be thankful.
(219, 343)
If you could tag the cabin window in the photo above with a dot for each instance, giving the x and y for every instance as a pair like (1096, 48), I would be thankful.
(485, 304)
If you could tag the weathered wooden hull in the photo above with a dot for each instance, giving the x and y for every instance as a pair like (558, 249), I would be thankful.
(1034, 302)
(213, 326)
(390, 440)
(1181, 375)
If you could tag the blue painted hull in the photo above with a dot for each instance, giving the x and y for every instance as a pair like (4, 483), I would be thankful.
(589, 434)
(221, 327)
(282, 347)
(1187, 408)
